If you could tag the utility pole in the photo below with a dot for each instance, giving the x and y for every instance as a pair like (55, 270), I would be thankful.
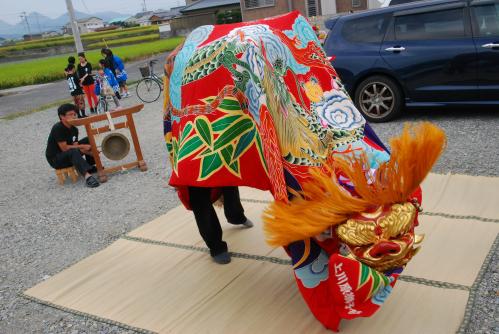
(25, 18)
(74, 26)
(144, 7)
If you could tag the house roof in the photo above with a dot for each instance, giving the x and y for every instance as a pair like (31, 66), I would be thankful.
(205, 4)
(119, 19)
(68, 25)
(143, 14)
(166, 14)
(88, 19)
(140, 17)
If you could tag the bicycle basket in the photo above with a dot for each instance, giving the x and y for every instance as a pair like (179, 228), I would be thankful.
(144, 71)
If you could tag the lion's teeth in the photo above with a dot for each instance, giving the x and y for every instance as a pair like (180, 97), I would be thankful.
(418, 238)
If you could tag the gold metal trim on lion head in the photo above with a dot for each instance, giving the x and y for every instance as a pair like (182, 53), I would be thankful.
(382, 239)
(362, 230)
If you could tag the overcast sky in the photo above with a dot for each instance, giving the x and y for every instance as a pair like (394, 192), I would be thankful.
(11, 9)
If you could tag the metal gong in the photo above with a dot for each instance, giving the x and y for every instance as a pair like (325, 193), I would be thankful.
(115, 146)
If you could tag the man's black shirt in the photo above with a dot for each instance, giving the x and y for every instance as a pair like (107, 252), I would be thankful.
(59, 133)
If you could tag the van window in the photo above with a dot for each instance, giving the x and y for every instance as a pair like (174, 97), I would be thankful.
(365, 30)
(487, 18)
(433, 25)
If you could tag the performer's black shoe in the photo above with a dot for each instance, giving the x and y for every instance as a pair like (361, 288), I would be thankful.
(222, 258)
(248, 223)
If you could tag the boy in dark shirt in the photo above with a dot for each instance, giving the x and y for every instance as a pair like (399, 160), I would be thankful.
(75, 89)
(65, 150)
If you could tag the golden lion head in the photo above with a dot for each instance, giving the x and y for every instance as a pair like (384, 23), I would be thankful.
(376, 220)
(383, 239)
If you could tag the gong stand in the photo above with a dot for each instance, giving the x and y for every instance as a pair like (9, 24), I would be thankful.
(91, 132)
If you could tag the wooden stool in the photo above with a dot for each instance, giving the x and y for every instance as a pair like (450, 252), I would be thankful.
(66, 172)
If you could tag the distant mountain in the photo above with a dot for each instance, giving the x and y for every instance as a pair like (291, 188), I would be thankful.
(37, 23)
(40, 23)
(4, 25)
(7, 30)
(11, 36)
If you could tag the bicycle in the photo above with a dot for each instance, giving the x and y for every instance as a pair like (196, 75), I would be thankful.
(103, 105)
(149, 88)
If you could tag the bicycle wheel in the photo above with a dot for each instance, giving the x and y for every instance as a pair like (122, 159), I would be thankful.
(148, 90)
(102, 106)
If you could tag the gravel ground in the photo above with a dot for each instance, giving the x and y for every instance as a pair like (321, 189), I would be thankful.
(46, 227)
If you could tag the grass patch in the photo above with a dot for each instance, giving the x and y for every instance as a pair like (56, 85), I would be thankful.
(121, 41)
(120, 34)
(38, 45)
(52, 69)
(134, 29)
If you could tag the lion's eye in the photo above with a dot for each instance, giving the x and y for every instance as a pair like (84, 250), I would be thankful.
(398, 236)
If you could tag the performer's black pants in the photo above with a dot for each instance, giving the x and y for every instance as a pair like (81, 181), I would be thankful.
(206, 217)
(73, 157)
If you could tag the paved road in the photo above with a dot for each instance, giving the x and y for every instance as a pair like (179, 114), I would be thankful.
(33, 97)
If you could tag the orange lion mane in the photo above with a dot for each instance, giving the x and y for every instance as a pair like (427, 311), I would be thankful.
(323, 202)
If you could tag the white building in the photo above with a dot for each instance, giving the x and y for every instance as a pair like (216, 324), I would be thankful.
(85, 25)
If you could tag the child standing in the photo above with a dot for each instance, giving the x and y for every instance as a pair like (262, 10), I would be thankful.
(87, 81)
(106, 84)
(75, 90)
(116, 65)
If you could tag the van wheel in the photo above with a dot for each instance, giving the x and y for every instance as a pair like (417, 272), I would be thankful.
(379, 99)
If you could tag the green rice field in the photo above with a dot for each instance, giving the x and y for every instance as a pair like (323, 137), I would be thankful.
(86, 39)
(52, 68)
(122, 41)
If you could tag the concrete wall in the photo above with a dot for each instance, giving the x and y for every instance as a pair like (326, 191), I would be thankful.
(328, 7)
(375, 3)
(182, 26)
(38, 53)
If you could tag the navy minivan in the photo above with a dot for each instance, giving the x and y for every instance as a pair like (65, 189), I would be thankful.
(425, 53)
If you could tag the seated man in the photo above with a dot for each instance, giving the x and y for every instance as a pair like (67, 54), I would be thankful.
(65, 150)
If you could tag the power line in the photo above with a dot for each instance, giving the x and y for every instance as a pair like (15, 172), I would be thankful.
(25, 18)
(85, 5)
(38, 23)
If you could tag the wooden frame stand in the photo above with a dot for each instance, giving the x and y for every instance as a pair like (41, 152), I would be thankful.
(129, 123)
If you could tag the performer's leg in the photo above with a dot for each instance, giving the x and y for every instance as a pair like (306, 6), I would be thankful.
(207, 220)
(233, 209)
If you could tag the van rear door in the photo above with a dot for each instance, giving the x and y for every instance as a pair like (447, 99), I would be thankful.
(432, 52)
